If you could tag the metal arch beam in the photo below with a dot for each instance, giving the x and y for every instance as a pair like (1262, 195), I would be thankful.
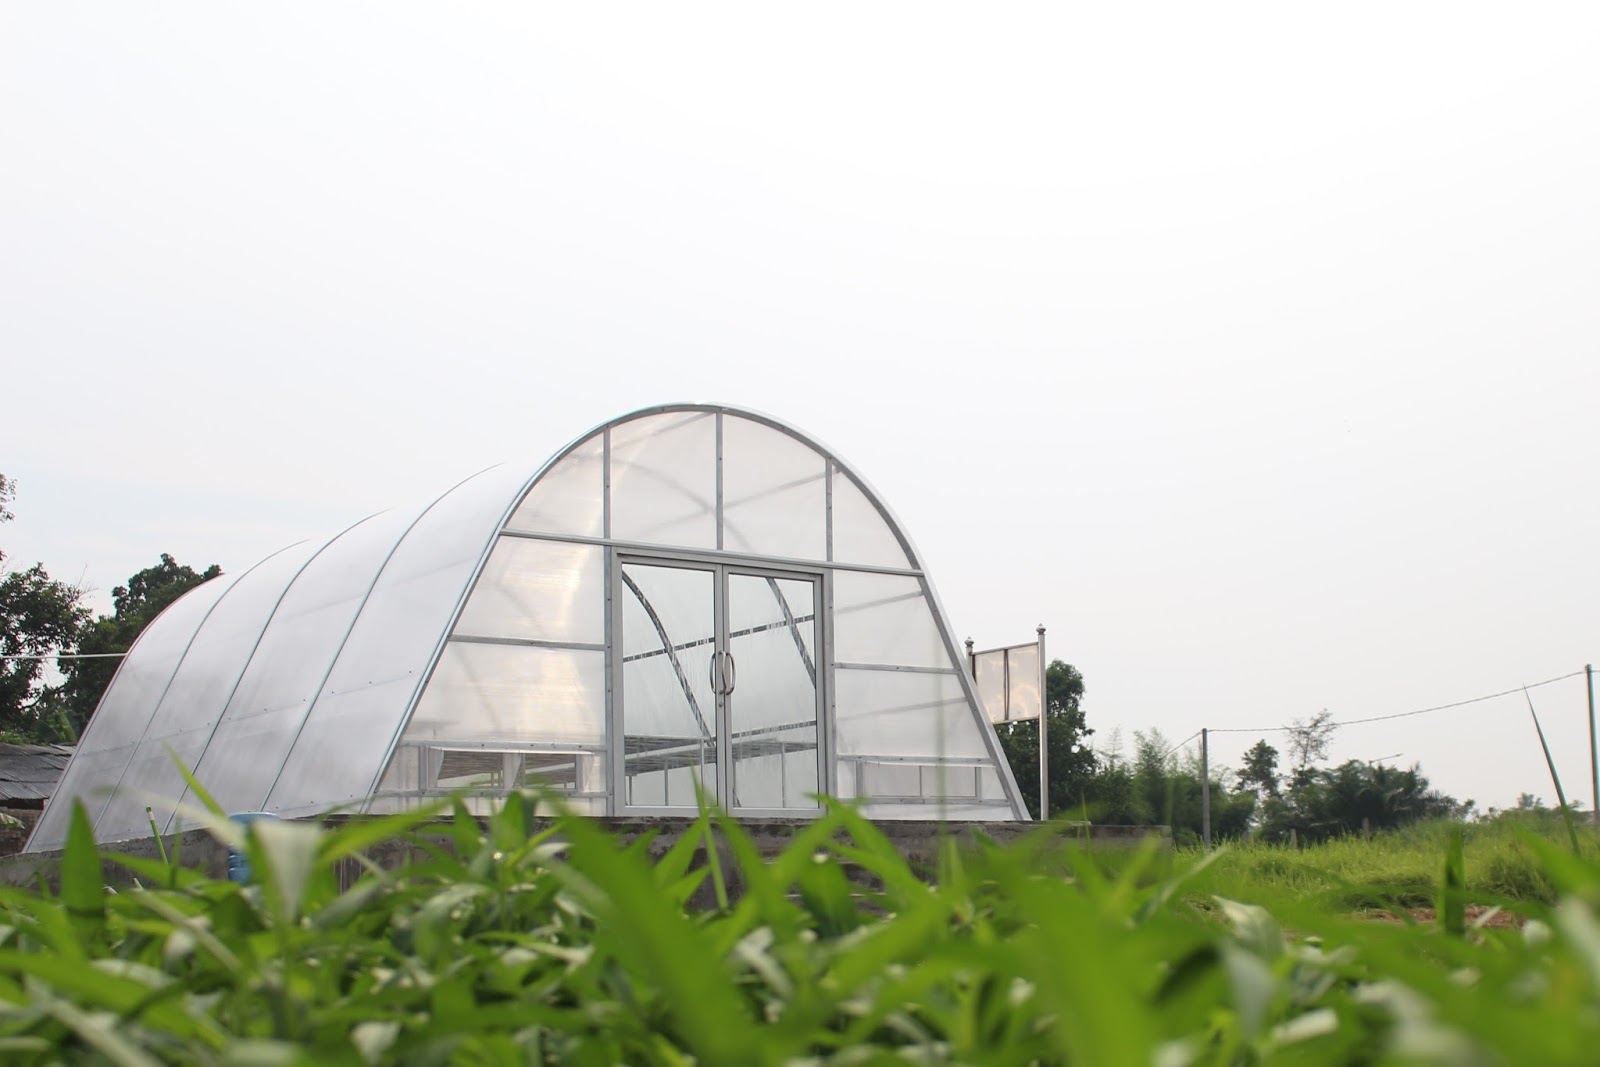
(794, 630)
(671, 651)
(912, 557)
(834, 463)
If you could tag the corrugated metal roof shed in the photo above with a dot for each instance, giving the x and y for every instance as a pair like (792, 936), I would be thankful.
(29, 773)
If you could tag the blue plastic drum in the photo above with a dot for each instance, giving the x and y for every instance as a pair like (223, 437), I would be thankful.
(239, 862)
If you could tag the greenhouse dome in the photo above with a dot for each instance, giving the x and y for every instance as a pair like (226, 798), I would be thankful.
(689, 598)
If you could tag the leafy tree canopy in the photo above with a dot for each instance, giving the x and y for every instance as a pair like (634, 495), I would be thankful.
(1260, 771)
(39, 617)
(1356, 797)
(1072, 764)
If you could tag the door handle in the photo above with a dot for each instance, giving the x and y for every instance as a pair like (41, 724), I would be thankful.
(722, 681)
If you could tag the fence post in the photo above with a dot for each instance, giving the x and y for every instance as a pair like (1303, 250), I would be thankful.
(1205, 789)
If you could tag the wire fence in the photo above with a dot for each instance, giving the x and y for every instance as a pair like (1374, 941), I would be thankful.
(1395, 715)
(1588, 750)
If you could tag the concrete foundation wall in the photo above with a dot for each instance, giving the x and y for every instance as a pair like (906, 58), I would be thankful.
(917, 841)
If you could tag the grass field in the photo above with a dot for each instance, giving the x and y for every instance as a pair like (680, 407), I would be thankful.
(563, 946)
(1501, 867)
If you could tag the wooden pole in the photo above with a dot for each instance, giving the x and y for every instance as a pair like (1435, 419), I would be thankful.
(1205, 789)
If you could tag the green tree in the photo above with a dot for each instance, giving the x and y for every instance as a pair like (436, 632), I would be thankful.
(1309, 738)
(1357, 797)
(1112, 796)
(39, 617)
(134, 605)
(1260, 771)
(1072, 764)
(1158, 788)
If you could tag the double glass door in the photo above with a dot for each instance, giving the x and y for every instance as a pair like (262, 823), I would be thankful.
(718, 685)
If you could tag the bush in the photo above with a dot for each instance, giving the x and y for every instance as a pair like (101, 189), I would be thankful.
(506, 944)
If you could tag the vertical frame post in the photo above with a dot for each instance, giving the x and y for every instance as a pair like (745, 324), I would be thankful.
(1044, 730)
(616, 747)
(1205, 787)
(722, 702)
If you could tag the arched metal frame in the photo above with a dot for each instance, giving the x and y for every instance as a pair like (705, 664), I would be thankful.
(615, 549)
(156, 661)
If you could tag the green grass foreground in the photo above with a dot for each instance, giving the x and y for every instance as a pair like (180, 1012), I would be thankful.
(503, 946)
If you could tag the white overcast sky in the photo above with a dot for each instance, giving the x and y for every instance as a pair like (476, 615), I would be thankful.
(1251, 349)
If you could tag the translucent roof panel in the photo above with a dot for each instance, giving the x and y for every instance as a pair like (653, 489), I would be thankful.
(538, 590)
(516, 694)
(861, 532)
(118, 725)
(885, 620)
(351, 726)
(569, 498)
(774, 493)
(893, 714)
(296, 653)
(664, 479)
(688, 594)
(200, 688)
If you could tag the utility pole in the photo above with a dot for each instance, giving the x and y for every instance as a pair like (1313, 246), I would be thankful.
(1205, 789)
(1594, 753)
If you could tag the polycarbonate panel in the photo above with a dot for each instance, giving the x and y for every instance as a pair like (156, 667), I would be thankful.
(422, 770)
(359, 712)
(885, 618)
(774, 492)
(569, 497)
(664, 479)
(989, 679)
(539, 591)
(889, 779)
(904, 713)
(193, 702)
(669, 710)
(918, 781)
(295, 654)
(772, 707)
(1007, 681)
(860, 533)
(119, 722)
(1022, 683)
(512, 693)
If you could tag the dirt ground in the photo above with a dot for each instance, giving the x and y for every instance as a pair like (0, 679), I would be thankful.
(1500, 920)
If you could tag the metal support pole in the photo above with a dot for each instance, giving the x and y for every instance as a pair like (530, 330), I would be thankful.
(1594, 751)
(1205, 788)
(1044, 730)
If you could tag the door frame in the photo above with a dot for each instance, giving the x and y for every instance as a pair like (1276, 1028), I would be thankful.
(720, 565)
